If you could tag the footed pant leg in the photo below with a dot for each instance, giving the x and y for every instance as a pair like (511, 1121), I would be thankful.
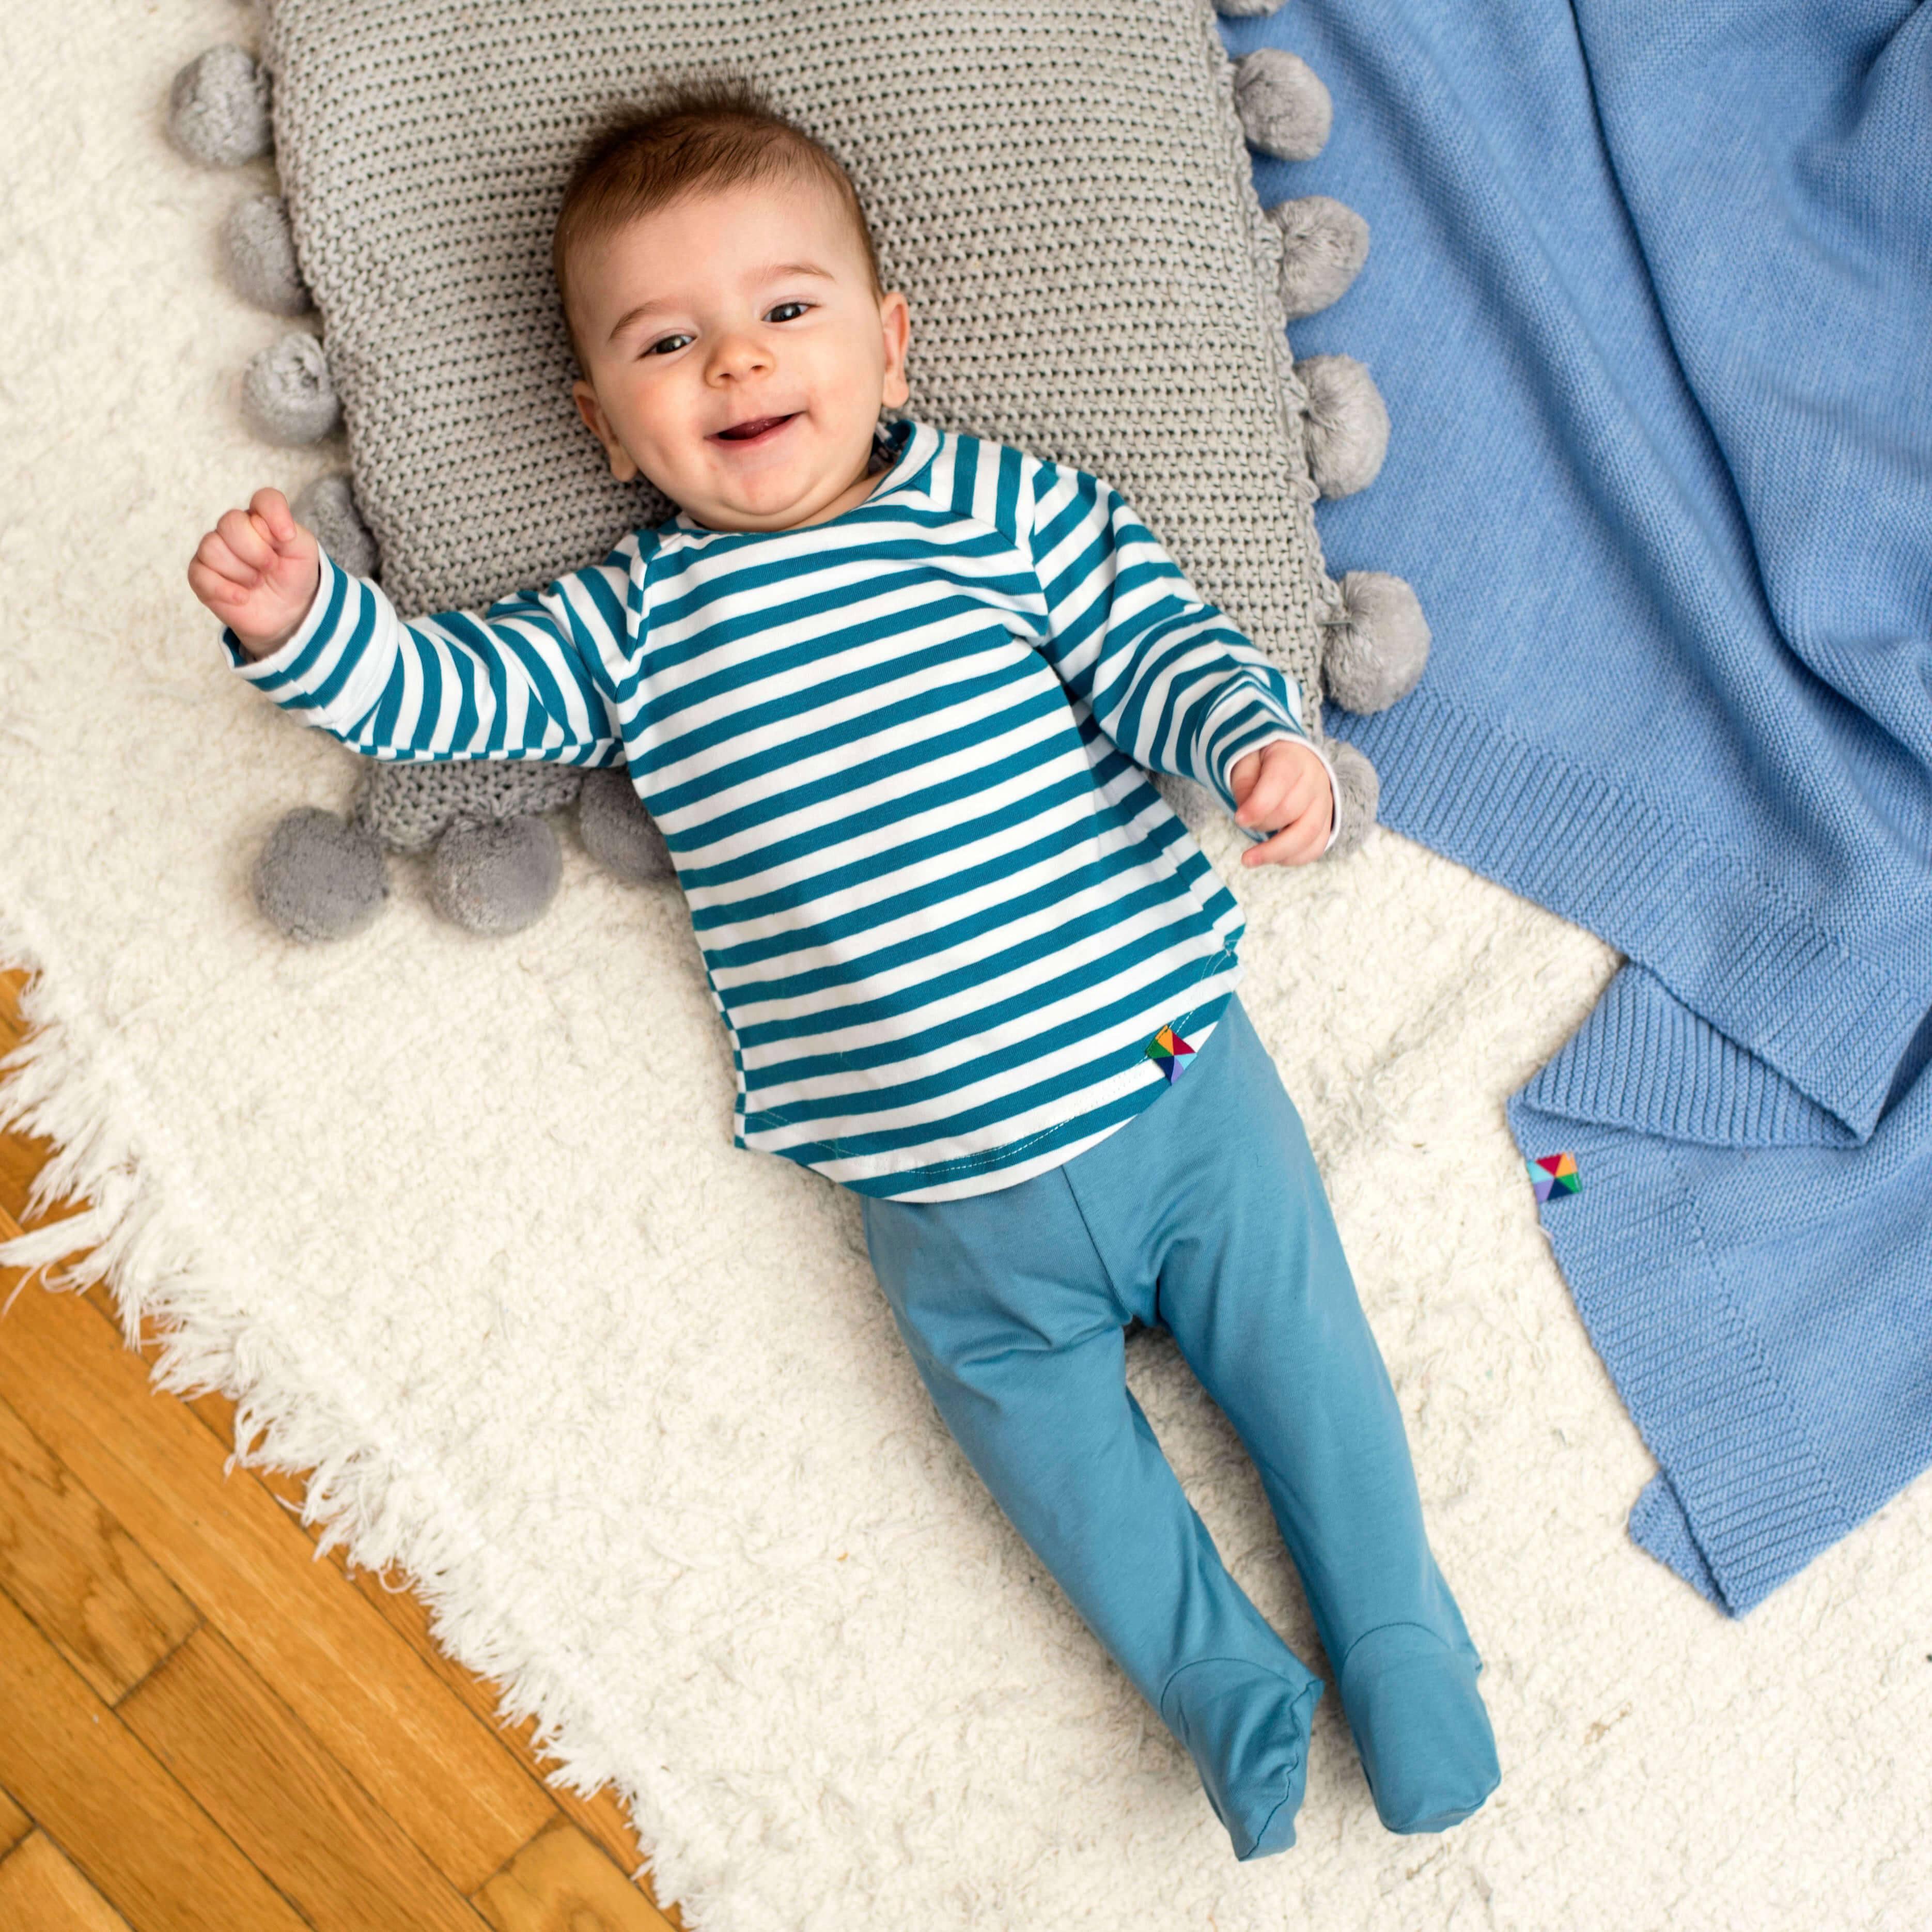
(1017, 1329)
(1253, 1285)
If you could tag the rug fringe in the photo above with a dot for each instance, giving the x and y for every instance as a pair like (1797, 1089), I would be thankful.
(361, 1489)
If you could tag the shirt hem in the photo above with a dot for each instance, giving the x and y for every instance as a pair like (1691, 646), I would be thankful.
(943, 1180)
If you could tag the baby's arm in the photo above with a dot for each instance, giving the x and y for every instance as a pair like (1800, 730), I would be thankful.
(1170, 678)
(526, 678)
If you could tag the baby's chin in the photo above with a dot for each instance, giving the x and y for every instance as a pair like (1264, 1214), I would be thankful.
(777, 499)
(721, 513)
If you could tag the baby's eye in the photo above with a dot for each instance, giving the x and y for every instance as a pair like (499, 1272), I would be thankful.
(664, 340)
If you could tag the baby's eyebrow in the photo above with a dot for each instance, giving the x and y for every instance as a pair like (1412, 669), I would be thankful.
(752, 276)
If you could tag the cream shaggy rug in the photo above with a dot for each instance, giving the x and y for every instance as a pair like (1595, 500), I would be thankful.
(459, 1219)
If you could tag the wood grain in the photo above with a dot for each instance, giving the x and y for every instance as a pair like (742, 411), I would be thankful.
(560, 1882)
(237, 1750)
(77, 1573)
(40, 1891)
(14, 1824)
(92, 1785)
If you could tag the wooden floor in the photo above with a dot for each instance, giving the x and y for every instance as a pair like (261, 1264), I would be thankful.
(202, 1729)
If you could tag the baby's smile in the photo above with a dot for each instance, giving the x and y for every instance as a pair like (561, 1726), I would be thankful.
(751, 444)
(757, 430)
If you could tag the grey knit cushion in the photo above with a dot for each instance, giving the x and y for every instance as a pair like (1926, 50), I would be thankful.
(1063, 193)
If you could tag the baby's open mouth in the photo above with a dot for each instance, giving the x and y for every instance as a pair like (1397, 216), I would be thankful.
(751, 432)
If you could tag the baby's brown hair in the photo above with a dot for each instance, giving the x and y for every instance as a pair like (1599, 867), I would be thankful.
(713, 132)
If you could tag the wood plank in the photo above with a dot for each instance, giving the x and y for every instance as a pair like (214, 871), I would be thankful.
(77, 1573)
(234, 1747)
(372, 1701)
(40, 1891)
(14, 1824)
(560, 1882)
(85, 1777)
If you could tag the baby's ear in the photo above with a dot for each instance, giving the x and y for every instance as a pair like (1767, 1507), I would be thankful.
(895, 317)
(591, 411)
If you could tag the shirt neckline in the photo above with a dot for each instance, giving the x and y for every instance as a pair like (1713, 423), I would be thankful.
(902, 440)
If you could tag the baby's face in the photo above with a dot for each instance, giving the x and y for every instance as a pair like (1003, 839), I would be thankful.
(724, 308)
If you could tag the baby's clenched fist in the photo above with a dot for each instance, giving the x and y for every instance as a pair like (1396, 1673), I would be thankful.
(257, 570)
(1283, 788)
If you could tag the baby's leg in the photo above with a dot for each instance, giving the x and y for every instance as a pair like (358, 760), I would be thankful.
(1255, 1288)
(1017, 1331)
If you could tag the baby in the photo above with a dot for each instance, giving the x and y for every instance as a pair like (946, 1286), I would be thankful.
(888, 691)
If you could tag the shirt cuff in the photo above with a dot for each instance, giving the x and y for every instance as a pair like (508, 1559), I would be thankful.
(1334, 793)
(279, 662)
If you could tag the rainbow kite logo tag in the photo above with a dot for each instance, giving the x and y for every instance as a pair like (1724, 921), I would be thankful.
(1165, 1049)
(1554, 1174)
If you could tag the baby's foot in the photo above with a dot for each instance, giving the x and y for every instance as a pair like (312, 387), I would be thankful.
(1419, 1725)
(1246, 1729)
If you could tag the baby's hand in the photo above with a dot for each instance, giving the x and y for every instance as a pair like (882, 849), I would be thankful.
(1283, 788)
(257, 570)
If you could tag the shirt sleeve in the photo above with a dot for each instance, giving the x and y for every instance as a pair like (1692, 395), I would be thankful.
(527, 678)
(1169, 678)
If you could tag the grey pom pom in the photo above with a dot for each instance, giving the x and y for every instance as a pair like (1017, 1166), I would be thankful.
(617, 831)
(1327, 243)
(317, 878)
(1374, 652)
(496, 877)
(1346, 423)
(218, 109)
(287, 394)
(1359, 794)
(1283, 106)
(259, 252)
(328, 507)
(1246, 10)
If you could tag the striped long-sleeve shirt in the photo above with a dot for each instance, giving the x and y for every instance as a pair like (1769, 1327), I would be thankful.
(951, 929)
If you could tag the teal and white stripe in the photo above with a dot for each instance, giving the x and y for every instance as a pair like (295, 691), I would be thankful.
(896, 756)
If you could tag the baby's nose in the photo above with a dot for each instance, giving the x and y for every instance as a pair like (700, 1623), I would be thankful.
(740, 351)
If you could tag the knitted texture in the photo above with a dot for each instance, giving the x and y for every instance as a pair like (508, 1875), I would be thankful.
(413, 804)
(1063, 193)
(1679, 689)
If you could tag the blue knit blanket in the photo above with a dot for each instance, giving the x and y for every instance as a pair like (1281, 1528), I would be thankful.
(1650, 298)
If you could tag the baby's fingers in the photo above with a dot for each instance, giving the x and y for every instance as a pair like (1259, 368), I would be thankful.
(1294, 844)
(215, 557)
(1308, 786)
(1268, 802)
(247, 538)
(221, 594)
(272, 507)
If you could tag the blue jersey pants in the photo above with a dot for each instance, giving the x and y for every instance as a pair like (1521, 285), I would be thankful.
(1205, 1214)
